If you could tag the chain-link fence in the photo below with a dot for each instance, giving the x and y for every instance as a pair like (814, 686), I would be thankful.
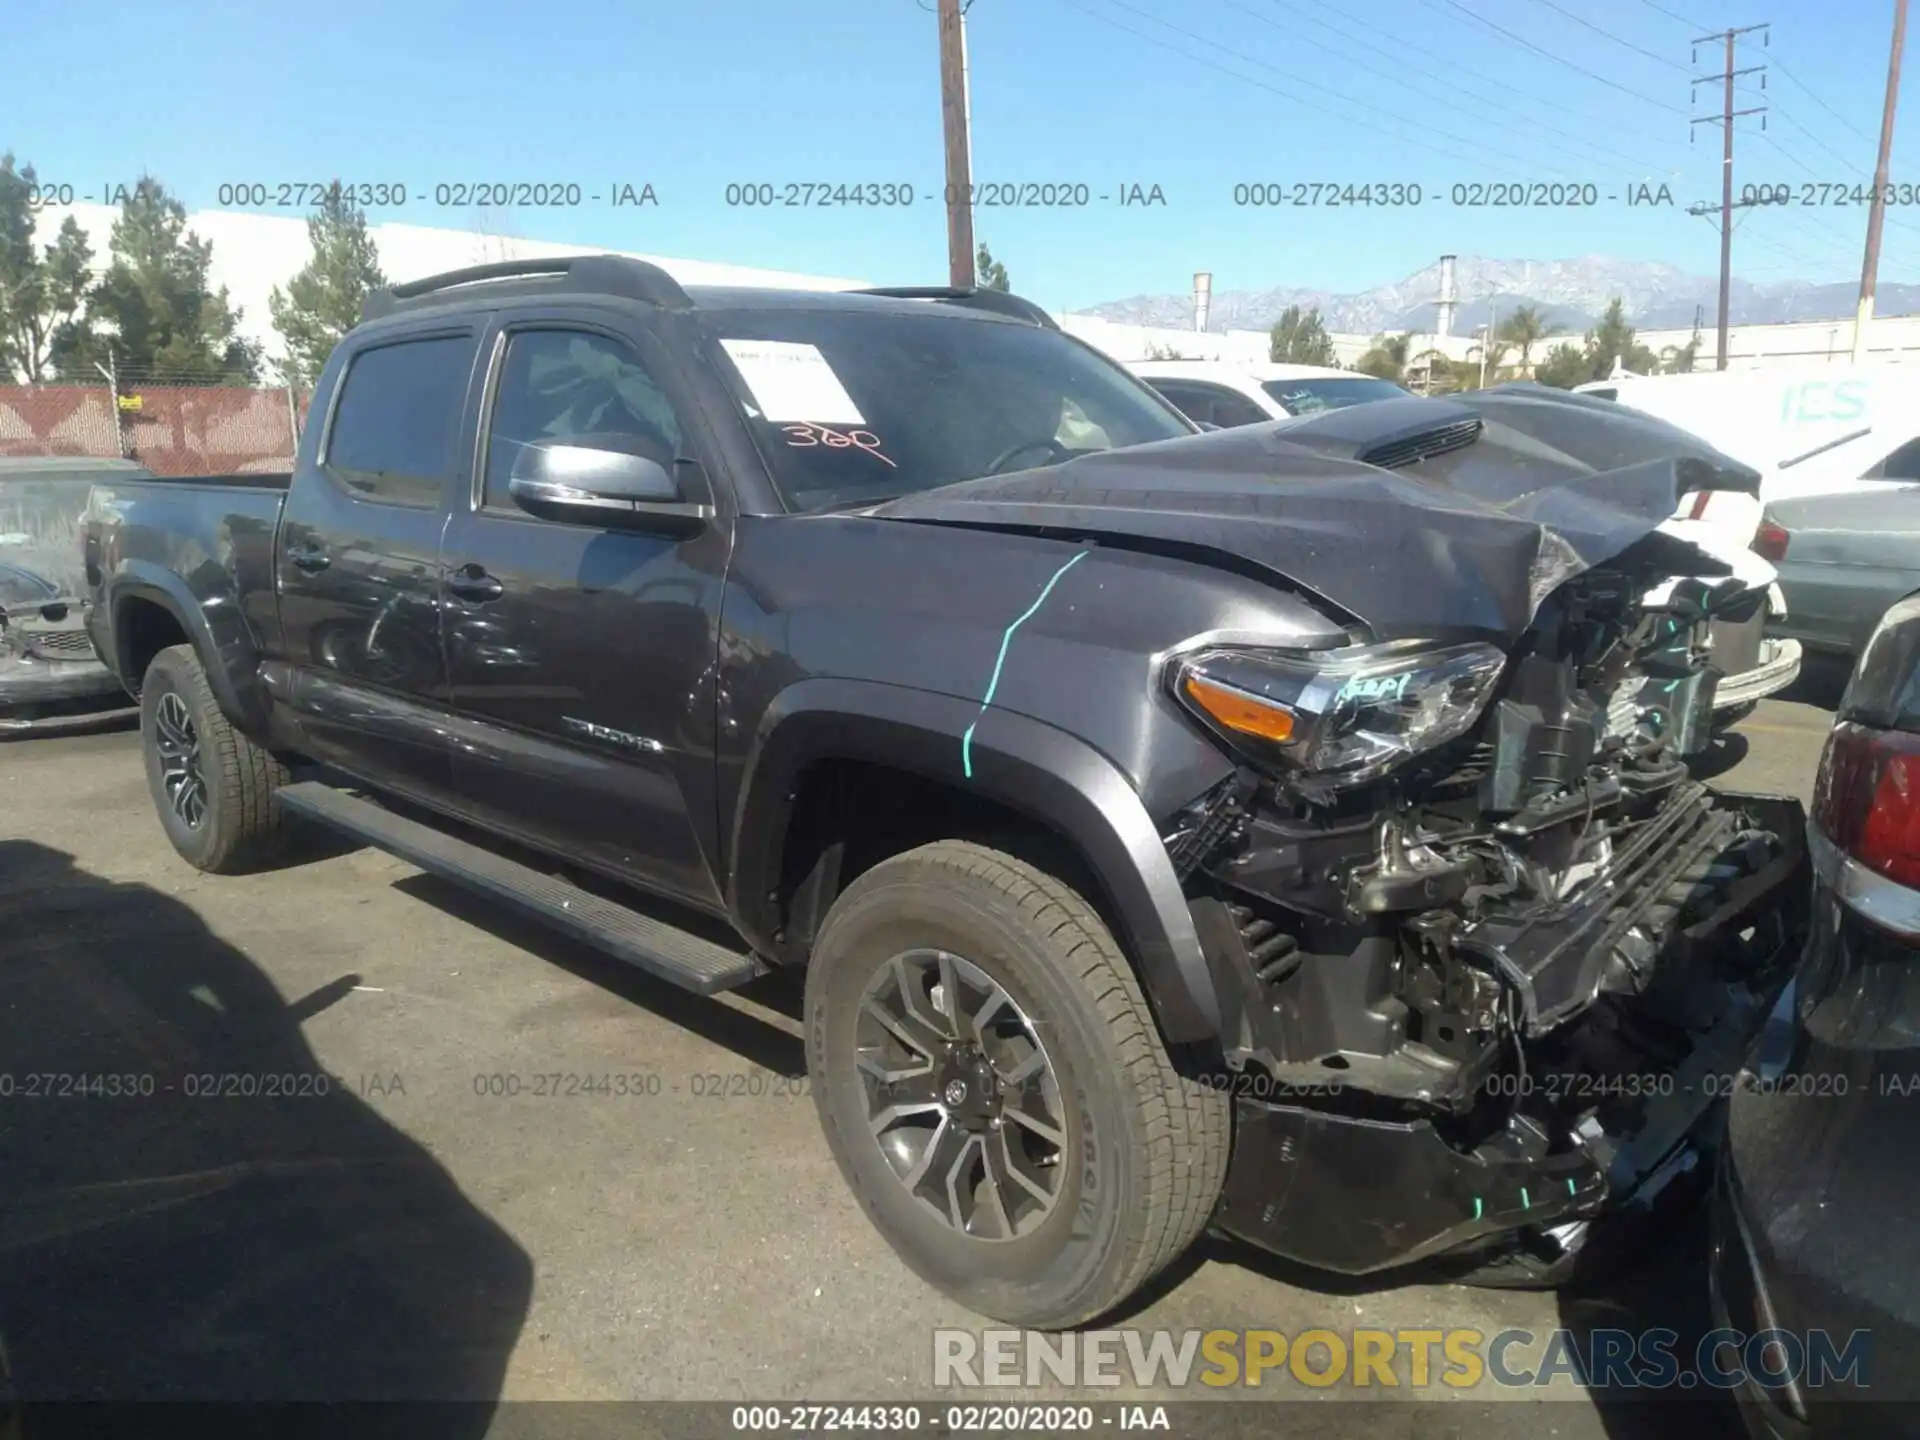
(170, 429)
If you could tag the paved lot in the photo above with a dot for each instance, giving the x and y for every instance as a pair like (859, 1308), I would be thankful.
(424, 1235)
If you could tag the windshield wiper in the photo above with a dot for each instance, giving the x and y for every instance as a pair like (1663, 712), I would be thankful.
(1822, 449)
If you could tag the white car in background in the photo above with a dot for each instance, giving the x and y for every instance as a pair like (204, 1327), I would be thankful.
(1218, 392)
(1752, 664)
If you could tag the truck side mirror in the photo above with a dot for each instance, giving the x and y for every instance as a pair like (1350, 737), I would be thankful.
(600, 487)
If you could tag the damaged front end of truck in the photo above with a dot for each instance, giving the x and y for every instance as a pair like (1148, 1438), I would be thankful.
(1487, 954)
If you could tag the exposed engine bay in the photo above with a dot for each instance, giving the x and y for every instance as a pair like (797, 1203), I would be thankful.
(1492, 945)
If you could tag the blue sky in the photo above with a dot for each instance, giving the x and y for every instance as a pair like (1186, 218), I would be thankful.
(1194, 96)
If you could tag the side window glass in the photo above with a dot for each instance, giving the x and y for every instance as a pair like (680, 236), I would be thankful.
(574, 388)
(1902, 464)
(1187, 399)
(1230, 409)
(396, 422)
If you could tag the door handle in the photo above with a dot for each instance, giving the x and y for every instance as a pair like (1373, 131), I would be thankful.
(470, 582)
(308, 557)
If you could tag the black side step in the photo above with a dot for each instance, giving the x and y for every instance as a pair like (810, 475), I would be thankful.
(660, 949)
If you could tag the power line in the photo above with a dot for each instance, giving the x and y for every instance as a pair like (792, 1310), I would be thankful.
(1499, 86)
(1823, 104)
(1424, 130)
(1105, 19)
(1559, 60)
(1694, 25)
(1399, 77)
(1608, 34)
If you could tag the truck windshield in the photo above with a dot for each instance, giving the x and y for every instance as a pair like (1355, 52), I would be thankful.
(855, 408)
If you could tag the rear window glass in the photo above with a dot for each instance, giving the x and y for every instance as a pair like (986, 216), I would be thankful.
(397, 417)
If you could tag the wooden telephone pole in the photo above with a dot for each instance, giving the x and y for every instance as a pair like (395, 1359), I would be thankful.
(1725, 120)
(953, 110)
(1876, 213)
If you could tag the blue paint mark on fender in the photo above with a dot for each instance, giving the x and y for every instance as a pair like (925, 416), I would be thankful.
(966, 740)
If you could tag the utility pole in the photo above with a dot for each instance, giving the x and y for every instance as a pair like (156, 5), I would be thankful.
(953, 109)
(1876, 213)
(1725, 120)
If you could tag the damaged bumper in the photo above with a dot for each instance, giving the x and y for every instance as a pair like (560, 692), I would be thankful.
(1353, 1167)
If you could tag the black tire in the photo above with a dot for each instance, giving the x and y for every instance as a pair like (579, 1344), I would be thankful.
(1145, 1151)
(238, 827)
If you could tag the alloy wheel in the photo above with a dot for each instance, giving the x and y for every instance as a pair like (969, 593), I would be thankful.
(178, 745)
(961, 1094)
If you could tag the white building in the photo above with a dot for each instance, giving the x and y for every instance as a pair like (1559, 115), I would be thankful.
(254, 253)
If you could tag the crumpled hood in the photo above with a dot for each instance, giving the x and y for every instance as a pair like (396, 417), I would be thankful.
(1415, 518)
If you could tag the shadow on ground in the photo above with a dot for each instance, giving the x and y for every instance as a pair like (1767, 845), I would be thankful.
(191, 1238)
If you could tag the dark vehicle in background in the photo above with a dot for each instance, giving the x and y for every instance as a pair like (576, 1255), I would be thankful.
(50, 677)
(1814, 1211)
(1174, 829)
(1843, 558)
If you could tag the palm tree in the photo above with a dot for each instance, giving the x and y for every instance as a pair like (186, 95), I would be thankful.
(1526, 328)
(1387, 360)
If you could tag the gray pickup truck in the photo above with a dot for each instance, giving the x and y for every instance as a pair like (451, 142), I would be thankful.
(1175, 830)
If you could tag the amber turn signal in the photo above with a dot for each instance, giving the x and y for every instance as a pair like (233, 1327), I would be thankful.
(1239, 711)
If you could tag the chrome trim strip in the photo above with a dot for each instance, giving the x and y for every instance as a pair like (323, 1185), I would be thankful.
(1887, 903)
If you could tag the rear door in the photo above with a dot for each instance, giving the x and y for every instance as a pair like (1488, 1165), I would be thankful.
(581, 658)
(358, 560)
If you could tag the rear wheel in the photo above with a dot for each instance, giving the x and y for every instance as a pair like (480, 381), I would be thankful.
(993, 1088)
(212, 786)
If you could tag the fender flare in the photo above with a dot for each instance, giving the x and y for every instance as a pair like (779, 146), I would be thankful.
(1028, 766)
(231, 661)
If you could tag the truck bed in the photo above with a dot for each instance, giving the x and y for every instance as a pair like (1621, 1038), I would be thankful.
(205, 542)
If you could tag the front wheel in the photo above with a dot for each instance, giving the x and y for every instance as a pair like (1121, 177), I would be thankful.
(994, 1090)
(212, 786)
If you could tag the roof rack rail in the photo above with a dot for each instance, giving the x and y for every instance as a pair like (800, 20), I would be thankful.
(998, 301)
(593, 274)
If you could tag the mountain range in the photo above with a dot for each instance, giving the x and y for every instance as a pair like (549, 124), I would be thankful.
(1571, 294)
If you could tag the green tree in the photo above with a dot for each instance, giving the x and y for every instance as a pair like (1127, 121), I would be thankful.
(166, 324)
(323, 301)
(1298, 339)
(1469, 374)
(1386, 358)
(1680, 359)
(42, 291)
(989, 273)
(1566, 366)
(1524, 328)
(1613, 339)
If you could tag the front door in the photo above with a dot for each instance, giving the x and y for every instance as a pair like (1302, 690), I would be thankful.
(359, 558)
(581, 659)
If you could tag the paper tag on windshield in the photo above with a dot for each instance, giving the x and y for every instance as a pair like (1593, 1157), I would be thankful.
(793, 382)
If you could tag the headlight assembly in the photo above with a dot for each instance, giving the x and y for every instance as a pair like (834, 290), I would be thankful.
(1339, 717)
